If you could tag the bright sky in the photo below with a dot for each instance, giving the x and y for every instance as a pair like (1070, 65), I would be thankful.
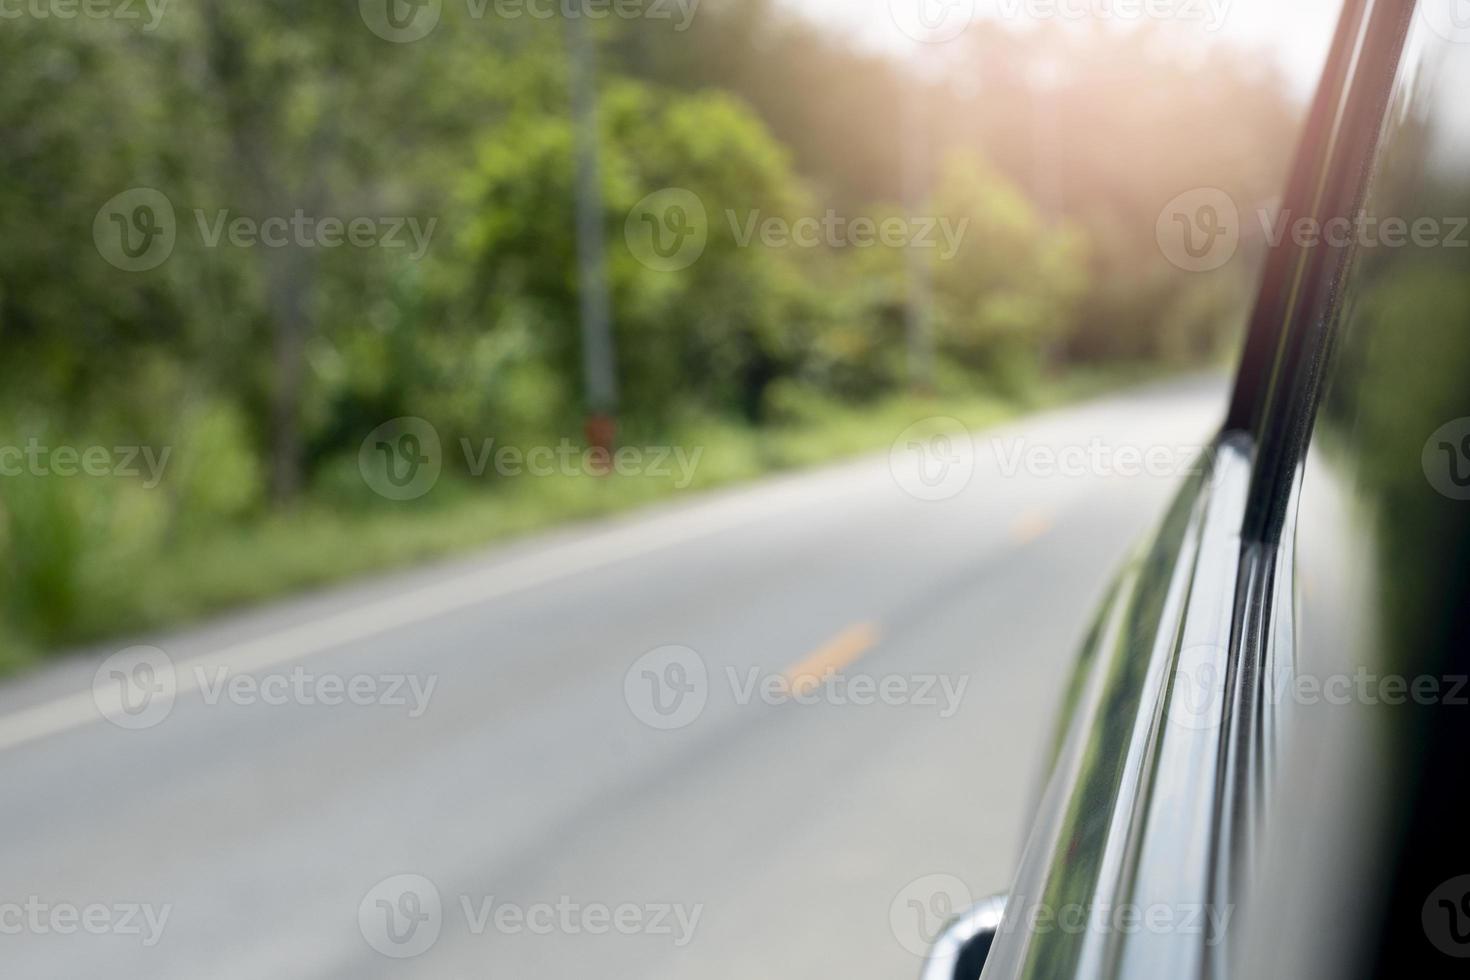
(1296, 32)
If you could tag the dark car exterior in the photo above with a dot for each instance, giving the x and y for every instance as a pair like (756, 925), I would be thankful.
(1262, 769)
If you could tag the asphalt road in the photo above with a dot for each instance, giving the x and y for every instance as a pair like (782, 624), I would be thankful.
(731, 738)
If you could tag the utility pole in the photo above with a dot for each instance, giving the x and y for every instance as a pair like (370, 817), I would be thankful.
(917, 319)
(1045, 83)
(599, 358)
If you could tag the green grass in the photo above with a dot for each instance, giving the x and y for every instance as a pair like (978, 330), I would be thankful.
(123, 588)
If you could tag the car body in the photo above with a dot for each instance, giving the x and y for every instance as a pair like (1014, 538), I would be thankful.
(1261, 767)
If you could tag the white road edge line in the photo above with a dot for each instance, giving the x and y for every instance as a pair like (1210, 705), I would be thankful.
(424, 603)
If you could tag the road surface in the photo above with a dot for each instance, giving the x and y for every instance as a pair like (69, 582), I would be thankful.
(752, 734)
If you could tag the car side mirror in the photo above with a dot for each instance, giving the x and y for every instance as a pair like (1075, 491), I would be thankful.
(960, 951)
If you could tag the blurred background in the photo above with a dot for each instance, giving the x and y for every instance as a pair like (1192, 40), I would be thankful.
(280, 282)
(1058, 140)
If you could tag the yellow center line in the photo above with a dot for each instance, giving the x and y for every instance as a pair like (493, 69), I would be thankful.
(1030, 525)
(832, 656)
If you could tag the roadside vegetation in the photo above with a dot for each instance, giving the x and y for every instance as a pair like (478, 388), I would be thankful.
(260, 370)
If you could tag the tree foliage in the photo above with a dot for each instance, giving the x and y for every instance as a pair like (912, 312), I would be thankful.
(264, 367)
